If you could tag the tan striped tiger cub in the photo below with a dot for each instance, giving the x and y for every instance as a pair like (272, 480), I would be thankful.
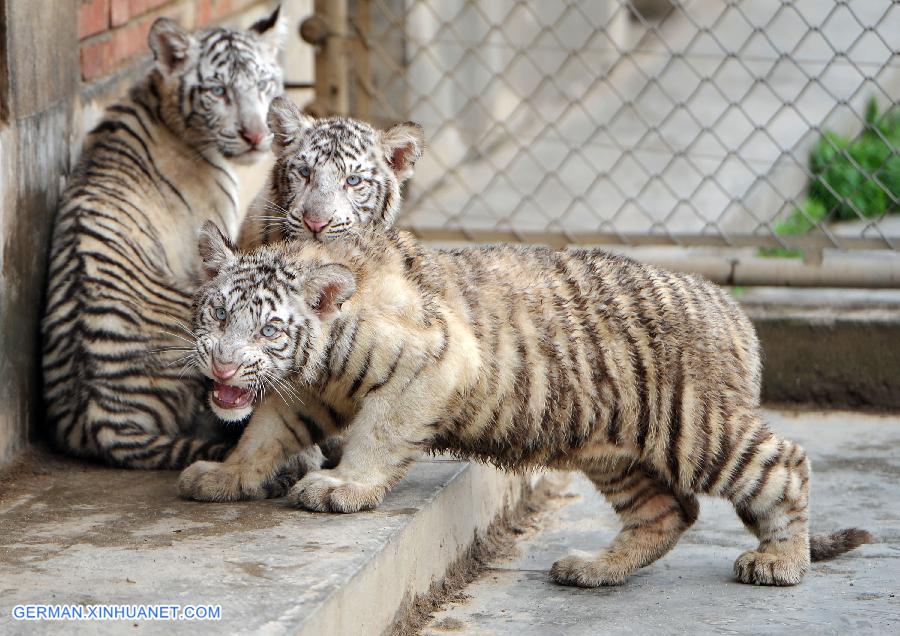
(645, 380)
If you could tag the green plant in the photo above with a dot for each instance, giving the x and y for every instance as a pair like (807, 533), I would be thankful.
(852, 178)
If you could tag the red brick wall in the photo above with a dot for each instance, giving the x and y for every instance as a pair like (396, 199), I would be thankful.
(113, 33)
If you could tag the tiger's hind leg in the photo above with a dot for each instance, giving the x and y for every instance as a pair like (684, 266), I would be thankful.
(653, 516)
(769, 487)
(125, 435)
(128, 445)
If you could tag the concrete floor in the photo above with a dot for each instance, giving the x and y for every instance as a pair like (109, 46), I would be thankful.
(72, 533)
(856, 481)
(76, 533)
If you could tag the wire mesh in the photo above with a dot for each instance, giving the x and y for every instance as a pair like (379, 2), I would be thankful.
(768, 123)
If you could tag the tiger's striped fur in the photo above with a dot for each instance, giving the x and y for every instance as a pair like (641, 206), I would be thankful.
(312, 192)
(645, 380)
(123, 263)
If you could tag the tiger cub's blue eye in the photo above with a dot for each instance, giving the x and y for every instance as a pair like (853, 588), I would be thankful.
(263, 85)
(305, 172)
(353, 179)
(220, 313)
(218, 91)
(270, 331)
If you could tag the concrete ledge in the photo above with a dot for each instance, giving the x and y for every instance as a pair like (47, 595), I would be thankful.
(829, 348)
(72, 533)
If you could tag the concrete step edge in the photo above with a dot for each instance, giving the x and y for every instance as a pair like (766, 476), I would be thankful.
(419, 554)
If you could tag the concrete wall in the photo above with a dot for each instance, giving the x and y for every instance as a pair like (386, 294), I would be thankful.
(34, 155)
(61, 63)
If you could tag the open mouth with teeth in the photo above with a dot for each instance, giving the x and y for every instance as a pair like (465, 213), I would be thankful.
(226, 396)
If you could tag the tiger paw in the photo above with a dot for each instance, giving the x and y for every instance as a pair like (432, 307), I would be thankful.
(765, 568)
(215, 481)
(587, 571)
(294, 469)
(324, 492)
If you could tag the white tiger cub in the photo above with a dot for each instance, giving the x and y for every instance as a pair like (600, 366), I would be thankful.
(123, 262)
(333, 176)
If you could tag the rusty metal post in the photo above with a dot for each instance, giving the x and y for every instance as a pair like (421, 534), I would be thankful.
(326, 29)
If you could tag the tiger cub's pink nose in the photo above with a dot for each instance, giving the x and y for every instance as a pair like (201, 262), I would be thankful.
(253, 137)
(315, 225)
(224, 371)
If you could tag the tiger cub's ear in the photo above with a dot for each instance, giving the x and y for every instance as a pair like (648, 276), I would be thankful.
(287, 122)
(327, 288)
(216, 251)
(403, 145)
(171, 45)
(270, 32)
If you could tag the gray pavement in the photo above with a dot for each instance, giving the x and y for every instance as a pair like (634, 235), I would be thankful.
(856, 466)
(76, 533)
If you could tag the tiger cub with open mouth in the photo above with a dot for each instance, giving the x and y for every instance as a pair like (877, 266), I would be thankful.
(648, 381)
(332, 177)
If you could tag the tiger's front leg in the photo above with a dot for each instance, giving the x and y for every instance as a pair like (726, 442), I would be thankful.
(277, 441)
(380, 444)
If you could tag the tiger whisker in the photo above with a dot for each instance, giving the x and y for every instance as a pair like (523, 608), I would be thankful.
(271, 377)
(191, 363)
(170, 349)
(272, 386)
(279, 213)
(287, 388)
(183, 326)
(272, 203)
(180, 337)
(284, 385)
(187, 358)
(272, 226)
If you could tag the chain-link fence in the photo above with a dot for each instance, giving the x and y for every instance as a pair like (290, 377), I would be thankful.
(761, 123)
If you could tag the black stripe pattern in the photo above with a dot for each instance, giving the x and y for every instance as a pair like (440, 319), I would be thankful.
(120, 382)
